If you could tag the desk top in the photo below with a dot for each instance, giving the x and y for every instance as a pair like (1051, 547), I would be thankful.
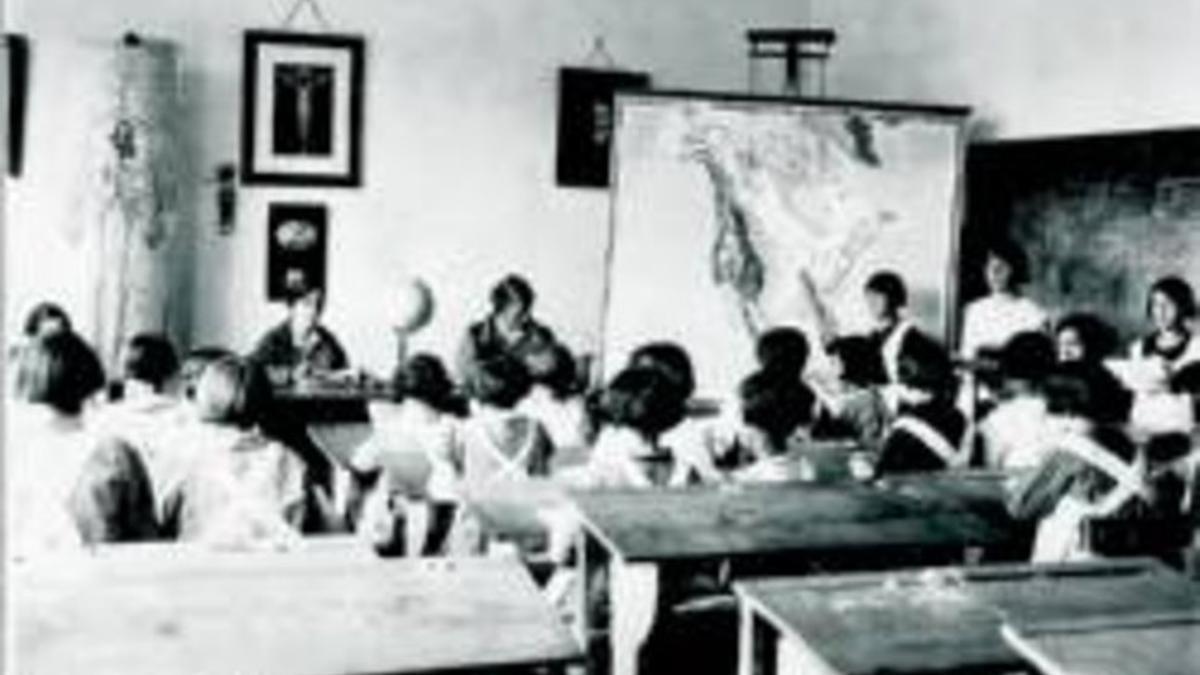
(731, 521)
(264, 614)
(950, 619)
(980, 491)
(1151, 647)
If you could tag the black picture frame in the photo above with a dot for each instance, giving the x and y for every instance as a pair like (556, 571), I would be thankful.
(297, 246)
(302, 109)
(16, 49)
(585, 122)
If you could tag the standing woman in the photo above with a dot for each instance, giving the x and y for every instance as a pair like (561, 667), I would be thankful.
(509, 330)
(991, 321)
(1171, 305)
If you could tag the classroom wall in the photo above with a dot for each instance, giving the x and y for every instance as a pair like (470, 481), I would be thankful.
(1028, 67)
(460, 127)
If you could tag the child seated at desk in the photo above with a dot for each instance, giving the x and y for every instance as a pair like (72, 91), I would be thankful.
(639, 405)
(150, 414)
(774, 409)
(929, 428)
(412, 455)
(66, 485)
(1012, 436)
(850, 406)
(240, 489)
(498, 442)
(1088, 472)
(554, 398)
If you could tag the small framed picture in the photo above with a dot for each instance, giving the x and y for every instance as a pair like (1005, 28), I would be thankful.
(296, 248)
(585, 122)
(302, 109)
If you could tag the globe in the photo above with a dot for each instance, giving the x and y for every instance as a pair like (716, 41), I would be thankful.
(413, 308)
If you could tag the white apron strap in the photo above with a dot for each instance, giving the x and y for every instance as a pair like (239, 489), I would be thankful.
(932, 438)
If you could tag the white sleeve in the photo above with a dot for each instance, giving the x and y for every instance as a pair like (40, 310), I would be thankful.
(970, 334)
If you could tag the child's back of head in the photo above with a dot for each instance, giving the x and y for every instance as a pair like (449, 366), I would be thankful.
(150, 359)
(1025, 362)
(233, 391)
(642, 399)
(553, 367)
(423, 377)
(671, 361)
(782, 351)
(776, 407)
(499, 382)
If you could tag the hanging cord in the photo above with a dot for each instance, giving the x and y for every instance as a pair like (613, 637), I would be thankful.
(313, 8)
(599, 57)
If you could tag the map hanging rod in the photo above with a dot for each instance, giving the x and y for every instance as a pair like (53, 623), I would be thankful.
(792, 46)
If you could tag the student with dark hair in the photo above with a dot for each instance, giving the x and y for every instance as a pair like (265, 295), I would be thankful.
(774, 409)
(1011, 435)
(240, 489)
(850, 405)
(894, 335)
(1087, 340)
(928, 430)
(782, 350)
(701, 444)
(68, 485)
(509, 329)
(46, 318)
(1089, 471)
(498, 441)
(413, 449)
(990, 321)
(640, 405)
(554, 399)
(150, 415)
(1171, 307)
(300, 345)
(672, 361)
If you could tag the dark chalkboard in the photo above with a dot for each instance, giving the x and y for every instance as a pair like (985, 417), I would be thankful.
(1100, 217)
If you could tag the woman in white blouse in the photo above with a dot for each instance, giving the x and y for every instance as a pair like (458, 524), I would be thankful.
(991, 321)
(1170, 307)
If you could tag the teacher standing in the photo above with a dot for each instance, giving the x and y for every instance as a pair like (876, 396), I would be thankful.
(509, 329)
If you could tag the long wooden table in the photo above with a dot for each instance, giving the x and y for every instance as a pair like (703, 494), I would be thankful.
(946, 620)
(286, 613)
(636, 533)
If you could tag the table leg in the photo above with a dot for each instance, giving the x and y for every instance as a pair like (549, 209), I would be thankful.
(746, 642)
(633, 593)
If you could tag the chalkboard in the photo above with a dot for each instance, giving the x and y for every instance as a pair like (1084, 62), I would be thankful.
(1100, 217)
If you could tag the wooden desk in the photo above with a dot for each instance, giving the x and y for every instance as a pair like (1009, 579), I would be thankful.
(286, 614)
(1142, 645)
(944, 620)
(634, 533)
(981, 492)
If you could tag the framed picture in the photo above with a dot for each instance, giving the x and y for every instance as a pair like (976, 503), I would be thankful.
(302, 109)
(585, 122)
(297, 240)
(16, 48)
